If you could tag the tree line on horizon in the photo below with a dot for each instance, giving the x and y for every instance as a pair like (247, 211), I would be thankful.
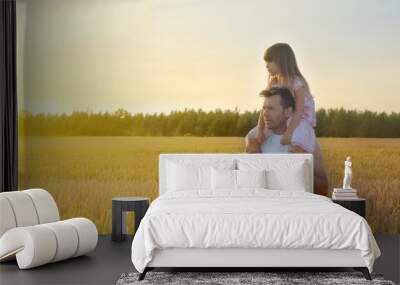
(190, 122)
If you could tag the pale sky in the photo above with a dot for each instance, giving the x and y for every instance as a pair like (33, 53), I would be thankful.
(161, 55)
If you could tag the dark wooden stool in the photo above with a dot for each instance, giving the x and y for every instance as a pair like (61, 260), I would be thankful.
(120, 206)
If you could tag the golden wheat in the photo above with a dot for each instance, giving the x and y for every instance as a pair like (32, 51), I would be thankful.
(85, 173)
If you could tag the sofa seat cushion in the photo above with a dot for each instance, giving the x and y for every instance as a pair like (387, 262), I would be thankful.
(40, 244)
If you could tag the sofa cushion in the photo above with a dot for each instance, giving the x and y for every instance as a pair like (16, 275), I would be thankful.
(40, 244)
(7, 220)
(46, 207)
(23, 208)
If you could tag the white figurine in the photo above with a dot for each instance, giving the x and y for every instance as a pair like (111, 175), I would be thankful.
(347, 173)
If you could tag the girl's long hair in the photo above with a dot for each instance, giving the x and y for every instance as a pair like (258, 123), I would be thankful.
(283, 56)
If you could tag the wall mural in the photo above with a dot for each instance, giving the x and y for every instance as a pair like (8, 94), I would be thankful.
(104, 87)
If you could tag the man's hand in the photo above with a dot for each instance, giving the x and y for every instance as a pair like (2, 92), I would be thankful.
(296, 149)
(252, 145)
(286, 138)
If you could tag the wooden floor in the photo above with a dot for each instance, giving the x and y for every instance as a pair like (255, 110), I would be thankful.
(111, 259)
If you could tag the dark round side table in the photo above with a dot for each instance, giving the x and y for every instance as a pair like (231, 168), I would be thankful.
(121, 205)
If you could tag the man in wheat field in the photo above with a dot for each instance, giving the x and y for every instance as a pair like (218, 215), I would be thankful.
(278, 107)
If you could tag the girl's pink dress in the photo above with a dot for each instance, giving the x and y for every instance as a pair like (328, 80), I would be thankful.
(304, 135)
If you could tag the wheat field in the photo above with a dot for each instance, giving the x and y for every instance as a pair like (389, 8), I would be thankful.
(85, 173)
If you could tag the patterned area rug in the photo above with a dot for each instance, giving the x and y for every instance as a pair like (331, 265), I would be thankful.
(225, 278)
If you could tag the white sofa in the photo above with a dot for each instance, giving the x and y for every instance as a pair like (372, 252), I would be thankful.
(31, 230)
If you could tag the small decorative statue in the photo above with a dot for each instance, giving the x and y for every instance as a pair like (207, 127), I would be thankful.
(347, 173)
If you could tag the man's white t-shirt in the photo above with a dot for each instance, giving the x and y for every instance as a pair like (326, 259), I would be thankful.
(272, 144)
